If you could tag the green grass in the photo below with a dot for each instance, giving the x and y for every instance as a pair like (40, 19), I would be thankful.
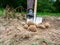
(1, 11)
(38, 13)
(48, 14)
(34, 44)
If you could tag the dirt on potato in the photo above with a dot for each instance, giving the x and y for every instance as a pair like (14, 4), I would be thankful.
(14, 32)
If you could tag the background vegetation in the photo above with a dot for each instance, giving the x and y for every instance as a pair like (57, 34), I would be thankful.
(51, 6)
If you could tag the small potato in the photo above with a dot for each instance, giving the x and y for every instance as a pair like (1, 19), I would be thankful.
(23, 23)
(38, 25)
(47, 25)
(25, 26)
(30, 23)
(41, 26)
(32, 28)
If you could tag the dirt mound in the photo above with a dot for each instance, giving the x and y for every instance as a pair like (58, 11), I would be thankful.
(16, 32)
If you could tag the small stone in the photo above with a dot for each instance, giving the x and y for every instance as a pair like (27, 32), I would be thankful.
(32, 28)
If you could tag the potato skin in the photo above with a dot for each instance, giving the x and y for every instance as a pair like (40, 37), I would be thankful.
(30, 23)
(32, 28)
(25, 26)
(23, 23)
(47, 25)
(40, 26)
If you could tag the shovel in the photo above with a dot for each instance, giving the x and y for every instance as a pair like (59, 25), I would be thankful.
(35, 19)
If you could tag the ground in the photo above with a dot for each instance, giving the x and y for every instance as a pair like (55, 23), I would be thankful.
(13, 33)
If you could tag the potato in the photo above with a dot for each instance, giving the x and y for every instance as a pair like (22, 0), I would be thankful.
(41, 26)
(30, 23)
(25, 26)
(38, 25)
(32, 28)
(47, 25)
(23, 23)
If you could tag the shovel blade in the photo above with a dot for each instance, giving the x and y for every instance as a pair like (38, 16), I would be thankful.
(30, 19)
(38, 20)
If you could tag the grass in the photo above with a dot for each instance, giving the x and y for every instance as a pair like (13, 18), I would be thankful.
(48, 14)
(38, 13)
(1, 11)
(34, 44)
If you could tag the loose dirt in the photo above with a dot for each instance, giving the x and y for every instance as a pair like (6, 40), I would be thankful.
(16, 32)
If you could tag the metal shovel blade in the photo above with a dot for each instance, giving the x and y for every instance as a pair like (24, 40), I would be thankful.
(37, 20)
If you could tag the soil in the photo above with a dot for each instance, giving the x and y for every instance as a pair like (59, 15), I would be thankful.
(12, 32)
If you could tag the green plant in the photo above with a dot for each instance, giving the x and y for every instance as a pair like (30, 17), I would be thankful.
(34, 44)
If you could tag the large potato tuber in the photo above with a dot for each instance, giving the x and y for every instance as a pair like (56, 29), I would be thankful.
(32, 28)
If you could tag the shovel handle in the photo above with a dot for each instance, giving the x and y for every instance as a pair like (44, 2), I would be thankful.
(35, 10)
